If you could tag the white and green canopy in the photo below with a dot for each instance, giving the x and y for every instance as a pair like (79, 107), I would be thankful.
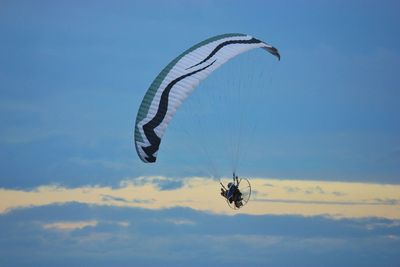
(178, 79)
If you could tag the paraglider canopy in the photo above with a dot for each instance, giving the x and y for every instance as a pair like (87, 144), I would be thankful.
(178, 79)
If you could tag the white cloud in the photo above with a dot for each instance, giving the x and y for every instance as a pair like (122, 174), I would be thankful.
(69, 226)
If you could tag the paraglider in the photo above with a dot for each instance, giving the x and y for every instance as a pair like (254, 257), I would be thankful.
(237, 194)
(177, 81)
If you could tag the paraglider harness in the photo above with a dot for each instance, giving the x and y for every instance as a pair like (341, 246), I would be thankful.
(233, 194)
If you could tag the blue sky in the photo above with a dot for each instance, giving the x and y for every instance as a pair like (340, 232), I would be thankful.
(72, 76)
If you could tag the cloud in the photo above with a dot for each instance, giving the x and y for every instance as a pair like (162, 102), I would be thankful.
(105, 235)
(69, 226)
(163, 183)
(297, 197)
(387, 201)
(316, 202)
(106, 198)
(178, 221)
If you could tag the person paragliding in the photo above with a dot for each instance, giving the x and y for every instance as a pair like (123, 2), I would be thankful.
(176, 82)
(232, 193)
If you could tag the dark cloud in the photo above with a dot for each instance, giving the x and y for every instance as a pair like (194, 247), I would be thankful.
(168, 184)
(389, 202)
(311, 190)
(184, 237)
(338, 193)
(292, 189)
(316, 190)
(123, 200)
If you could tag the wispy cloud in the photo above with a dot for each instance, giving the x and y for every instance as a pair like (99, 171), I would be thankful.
(178, 221)
(69, 226)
